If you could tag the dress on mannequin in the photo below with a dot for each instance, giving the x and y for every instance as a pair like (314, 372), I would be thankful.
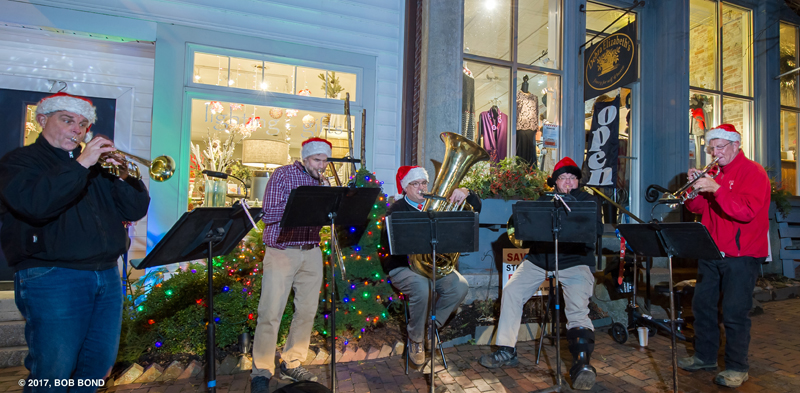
(527, 123)
(494, 130)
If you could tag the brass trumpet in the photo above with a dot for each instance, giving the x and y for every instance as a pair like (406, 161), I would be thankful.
(687, 191)
(161, 168)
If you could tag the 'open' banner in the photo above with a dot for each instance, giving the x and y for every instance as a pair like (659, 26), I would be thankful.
(602, 144)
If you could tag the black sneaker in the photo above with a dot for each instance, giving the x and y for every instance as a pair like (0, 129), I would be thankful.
(259, 385)
(296, 374)
(503, 356)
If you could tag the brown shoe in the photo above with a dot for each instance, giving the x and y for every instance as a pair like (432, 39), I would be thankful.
(416, 352)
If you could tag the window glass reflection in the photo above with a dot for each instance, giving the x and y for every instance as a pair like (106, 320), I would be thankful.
(487, 28)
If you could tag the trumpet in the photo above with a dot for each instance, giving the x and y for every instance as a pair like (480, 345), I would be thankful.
(688, 191)
(160, 169)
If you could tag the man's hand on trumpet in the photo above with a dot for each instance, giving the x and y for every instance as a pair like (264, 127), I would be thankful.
(459, 195)
(705, 183)
(97, 147)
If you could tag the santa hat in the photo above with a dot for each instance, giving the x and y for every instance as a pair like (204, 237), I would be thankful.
(566, 165)
(406, 174)
(315, 146)
(66, 102)
(724, 131)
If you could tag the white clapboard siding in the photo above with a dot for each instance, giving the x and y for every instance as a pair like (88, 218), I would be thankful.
(123, 71)
(373, 27)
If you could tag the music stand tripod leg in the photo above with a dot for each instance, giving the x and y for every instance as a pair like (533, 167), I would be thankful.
(672, 329)
(334, 246)
(432, 300)
(543, 325)
(210, 334)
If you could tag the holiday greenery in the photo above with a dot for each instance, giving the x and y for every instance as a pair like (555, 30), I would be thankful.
(166, 312)
(511, 178)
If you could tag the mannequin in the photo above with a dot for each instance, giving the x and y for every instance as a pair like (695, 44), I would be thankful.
(527, 123)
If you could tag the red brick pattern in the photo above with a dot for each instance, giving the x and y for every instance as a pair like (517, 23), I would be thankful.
(774, 367)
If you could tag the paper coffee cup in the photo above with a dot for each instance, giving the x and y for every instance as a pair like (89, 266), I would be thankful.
(643, 335)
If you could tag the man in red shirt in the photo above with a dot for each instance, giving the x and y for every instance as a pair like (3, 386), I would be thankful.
(734, 206)
(291, 261)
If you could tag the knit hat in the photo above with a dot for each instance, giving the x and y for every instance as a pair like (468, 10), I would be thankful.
(724, 131)
(66, 102)
(406, 174)
(315, 146)
(566, 165)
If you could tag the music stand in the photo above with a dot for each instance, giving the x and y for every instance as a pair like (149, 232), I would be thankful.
(205, 232)
(673, 239)
(573, 222)
(432, 232)
(314, 206)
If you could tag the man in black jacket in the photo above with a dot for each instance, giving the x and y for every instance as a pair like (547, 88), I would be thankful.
(576, 265)
(63, 233)
(412, 183)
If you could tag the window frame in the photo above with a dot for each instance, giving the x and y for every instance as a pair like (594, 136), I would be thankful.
(516, 67)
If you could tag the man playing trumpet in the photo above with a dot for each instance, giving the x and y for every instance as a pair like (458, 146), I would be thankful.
(412, 184)
(292, 260)
(734, 207)
(63, 234)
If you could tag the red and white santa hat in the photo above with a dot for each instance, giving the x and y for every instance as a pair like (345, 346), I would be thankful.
(316, 146)
(406, 174)
(66, 102)
(566, 165)
(724, 131)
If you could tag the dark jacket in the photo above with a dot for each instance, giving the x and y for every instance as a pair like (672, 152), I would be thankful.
(391, 262)
(570, 254)
(57, 213)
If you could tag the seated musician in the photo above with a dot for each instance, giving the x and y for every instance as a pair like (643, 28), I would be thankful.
(412, 183)
(576, 264)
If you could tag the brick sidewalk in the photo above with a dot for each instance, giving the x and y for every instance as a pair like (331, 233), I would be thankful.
(774, 367)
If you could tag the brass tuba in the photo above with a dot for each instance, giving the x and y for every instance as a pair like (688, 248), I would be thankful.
(460, 154)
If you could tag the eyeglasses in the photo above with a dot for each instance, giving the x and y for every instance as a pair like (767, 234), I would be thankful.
(570, 177)
(710, 149)
(418, 184)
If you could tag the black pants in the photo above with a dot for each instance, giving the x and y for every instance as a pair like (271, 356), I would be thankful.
(734, 279)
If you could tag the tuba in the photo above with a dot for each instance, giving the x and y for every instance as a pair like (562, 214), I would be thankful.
(460, 154)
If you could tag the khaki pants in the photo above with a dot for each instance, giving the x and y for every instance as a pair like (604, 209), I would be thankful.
(284, 270)
(450, 289)
(578, 284)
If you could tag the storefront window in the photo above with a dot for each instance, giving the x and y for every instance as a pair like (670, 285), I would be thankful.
(511, 81)
(789, 107)
(538, 42)
(251, 74)
(721, 90)
(249, 141)
(702, 44)
(487, 28)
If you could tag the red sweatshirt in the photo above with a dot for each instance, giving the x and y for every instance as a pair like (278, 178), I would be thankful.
(737, 215)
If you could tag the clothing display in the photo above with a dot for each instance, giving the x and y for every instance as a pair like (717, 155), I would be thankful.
(494, 131)
(526, 146)
(527, 111)
(468, 107)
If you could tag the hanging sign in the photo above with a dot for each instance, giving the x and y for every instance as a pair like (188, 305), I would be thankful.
(611, 63)
(602, 150)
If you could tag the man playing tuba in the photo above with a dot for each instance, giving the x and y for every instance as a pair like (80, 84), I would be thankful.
(412, 184)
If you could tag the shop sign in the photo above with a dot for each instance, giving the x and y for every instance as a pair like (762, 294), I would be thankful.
(602, 150)
(550, 136)
(512, 258)
(611, 63)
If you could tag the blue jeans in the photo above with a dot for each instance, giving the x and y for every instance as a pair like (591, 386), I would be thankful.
(733, 279)
(73, 320)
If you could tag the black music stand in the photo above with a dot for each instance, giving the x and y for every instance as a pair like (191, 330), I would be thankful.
(205, 232)
(569, 221)
(314, 206)
(673, 239)
(432, 232)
